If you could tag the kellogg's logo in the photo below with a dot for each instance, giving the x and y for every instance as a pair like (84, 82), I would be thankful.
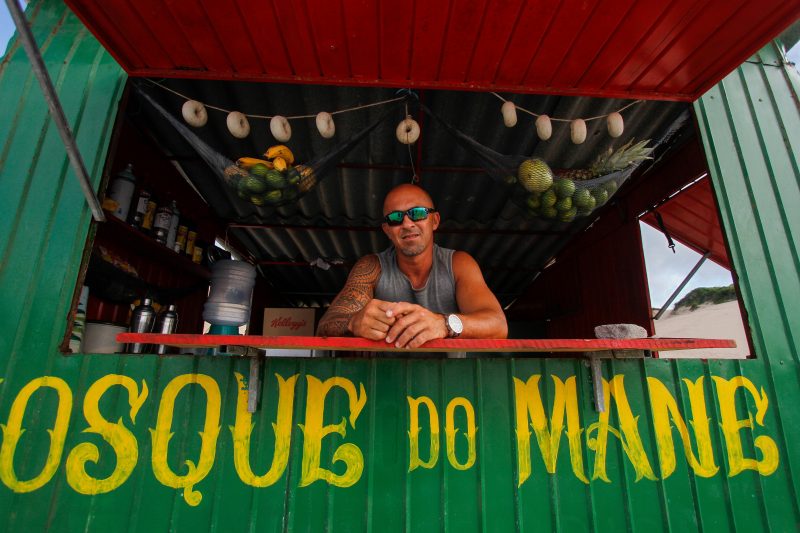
(287, 322)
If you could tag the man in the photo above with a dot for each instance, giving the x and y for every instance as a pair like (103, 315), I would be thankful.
(415, 291)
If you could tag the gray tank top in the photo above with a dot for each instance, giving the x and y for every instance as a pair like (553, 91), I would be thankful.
(437, 295)
(439, 292)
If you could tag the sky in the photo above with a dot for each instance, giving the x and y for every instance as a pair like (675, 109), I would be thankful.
(665, 270)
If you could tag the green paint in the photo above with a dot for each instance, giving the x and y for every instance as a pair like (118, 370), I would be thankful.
(751, 131)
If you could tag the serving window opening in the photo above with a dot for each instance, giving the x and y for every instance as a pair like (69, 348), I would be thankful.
(561, 256)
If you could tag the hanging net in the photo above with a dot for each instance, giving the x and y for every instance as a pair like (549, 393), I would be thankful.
(541, 192)
(545, 193)
(277, 180)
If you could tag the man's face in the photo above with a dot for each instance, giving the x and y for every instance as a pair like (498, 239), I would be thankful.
(410, 238)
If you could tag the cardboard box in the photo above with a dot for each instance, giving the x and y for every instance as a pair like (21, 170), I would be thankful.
(289, 321)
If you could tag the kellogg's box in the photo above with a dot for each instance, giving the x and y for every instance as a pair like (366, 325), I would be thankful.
(289, 321)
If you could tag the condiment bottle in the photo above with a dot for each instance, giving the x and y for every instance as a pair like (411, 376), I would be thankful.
(172, 234)
(161, 224)
(141, 208)
(149, 216)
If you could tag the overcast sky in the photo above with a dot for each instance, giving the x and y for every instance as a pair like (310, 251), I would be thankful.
(665, 270)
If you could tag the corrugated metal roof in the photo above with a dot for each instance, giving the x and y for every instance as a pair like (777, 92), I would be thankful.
(625, 48)
(691, 217)
(340, 218)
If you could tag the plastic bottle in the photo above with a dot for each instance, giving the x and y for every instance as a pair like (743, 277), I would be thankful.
(121, 191)
(149, 216)
(142, 320)
(191, 238)
(180, 239)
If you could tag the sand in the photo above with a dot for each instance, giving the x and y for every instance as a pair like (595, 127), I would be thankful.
(720, 321)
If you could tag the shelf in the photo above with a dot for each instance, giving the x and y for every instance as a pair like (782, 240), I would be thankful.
(442, 345)
(137, 242)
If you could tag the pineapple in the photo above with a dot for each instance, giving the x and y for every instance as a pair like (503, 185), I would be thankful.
(611, 161)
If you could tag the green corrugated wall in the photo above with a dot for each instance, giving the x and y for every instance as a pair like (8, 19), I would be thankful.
(750, 124)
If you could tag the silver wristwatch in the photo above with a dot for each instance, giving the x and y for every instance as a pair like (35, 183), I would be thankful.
(454, 326)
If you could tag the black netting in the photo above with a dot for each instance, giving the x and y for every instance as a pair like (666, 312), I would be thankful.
(264, 183)
(540, 191)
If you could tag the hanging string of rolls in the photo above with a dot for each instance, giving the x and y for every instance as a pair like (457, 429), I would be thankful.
(407, 132)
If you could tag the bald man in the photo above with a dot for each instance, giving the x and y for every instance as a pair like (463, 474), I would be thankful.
(415, 291)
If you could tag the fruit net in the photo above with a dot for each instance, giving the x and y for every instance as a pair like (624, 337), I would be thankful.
(533, 186)
(273, 187)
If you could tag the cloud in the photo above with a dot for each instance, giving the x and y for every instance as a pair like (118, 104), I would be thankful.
(665, 270)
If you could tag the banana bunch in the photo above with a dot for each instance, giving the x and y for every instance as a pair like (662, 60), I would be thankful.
(271, 181)
(280, 156)
(247, 163)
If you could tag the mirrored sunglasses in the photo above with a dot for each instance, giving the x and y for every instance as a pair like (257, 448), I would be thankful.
(415, 214)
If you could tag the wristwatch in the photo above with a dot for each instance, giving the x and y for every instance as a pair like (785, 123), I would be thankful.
(454, 326)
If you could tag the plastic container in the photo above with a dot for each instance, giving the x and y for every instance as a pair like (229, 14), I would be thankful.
(231, 291)
(101, 337)
(79, 324)
(121, 191)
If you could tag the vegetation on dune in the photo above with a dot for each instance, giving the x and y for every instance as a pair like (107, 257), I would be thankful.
(706, 295)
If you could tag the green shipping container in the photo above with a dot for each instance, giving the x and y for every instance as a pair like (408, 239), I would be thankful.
(146, 443)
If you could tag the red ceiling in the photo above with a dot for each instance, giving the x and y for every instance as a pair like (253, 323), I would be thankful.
(691, 217)
(613, 48)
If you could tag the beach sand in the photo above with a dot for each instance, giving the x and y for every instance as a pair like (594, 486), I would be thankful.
(720, 321)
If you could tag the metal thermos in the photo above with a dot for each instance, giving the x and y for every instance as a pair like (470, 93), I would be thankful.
(167, 323)
(142, 320)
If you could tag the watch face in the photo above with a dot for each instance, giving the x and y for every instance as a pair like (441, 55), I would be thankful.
(455, 324)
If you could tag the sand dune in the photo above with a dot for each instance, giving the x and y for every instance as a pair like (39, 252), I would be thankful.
(720, 321)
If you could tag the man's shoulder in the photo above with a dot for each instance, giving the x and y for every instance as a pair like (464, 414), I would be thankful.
(463, 262)
(368, 261)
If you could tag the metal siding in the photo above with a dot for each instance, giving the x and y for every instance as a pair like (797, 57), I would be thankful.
(750, 124)
(48, 211)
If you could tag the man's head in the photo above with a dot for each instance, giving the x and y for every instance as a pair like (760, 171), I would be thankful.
(410, 237)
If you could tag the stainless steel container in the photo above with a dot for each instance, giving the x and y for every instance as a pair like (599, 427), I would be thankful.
(166, 323)
(142, 320)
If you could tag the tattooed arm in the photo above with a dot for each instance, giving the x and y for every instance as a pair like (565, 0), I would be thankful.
(354, 311)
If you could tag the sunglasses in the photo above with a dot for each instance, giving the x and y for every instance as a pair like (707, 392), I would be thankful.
(415, 214)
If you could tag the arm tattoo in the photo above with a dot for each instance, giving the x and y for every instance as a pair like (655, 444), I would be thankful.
(357, 292)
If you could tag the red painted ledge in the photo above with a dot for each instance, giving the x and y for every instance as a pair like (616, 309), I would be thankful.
(442, 345)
